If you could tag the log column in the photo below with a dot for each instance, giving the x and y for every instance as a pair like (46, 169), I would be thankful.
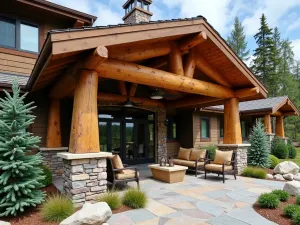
(268, 126)
(279, 126)
(232, 126)
(85, 131)
(53, 131)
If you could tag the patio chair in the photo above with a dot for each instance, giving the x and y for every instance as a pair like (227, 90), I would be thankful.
(117, 172)
(192, 158)
(224, 163)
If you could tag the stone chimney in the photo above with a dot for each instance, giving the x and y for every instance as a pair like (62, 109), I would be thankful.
(137, 11)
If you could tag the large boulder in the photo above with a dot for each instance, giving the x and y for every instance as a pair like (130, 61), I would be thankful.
(269, 176)
(278, 177)
(286, 167)
(90, 214)
(288, 176)
(292, 187)
(297, 177)
(4, 223)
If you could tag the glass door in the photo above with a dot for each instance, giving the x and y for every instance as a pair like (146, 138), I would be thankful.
(110, 136)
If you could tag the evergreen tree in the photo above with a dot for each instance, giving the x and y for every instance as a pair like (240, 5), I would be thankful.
(20, 174)
(237, 40)
(258, 153)
(262, 64)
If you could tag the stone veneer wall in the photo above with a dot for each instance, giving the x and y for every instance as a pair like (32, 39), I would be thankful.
(240, 157)
(137, 16)
(84, 179)
(52, 161)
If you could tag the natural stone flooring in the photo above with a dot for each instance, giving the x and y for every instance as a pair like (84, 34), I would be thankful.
(198, 201)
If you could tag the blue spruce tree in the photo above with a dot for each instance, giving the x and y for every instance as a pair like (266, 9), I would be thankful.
(20, 174)
(258, 153)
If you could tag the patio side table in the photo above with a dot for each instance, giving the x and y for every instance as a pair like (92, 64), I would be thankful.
(168, 174)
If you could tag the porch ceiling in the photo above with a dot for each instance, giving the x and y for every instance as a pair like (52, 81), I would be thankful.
(64, 50)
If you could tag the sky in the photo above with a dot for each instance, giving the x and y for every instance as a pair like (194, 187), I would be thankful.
(219, 13)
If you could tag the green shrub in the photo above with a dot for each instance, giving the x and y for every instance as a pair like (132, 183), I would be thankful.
(296, 217)
(268, 200)
(281, 194)
(298, 200)
(273, 161)
(255, 172)
(279, 148)
(290, 210)
(57, 208)
(292, 151)
(112, 199)
(258, 152)
(274, 143)
(135, 198)
(211, 151)
(48, 176)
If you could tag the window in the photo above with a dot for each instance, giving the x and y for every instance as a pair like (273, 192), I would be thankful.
(19, 35)
(139, 4)
(205, 128)
(244, 129)
(172, 129)
(221, 128)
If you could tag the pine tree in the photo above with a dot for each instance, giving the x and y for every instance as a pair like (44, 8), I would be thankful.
(237, 40)
(20, 174)
(262, 64)
(258, 153)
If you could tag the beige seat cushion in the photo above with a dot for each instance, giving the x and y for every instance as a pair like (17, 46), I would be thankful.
(126, 174)
(196, 154)
(222, 156)
(217, 167)
(187, 163)
(117, 162)
(184, 153)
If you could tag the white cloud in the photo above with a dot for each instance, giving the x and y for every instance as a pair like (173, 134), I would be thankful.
(294, 25)
(296, 48)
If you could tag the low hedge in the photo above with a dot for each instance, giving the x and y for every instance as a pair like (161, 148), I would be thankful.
(255, 172)
(268, 200)
(281, 194)
(290, 210)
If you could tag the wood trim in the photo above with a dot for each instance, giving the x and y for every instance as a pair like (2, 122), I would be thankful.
(205, 139)
(19, 53)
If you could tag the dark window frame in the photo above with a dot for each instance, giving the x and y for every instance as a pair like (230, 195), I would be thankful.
(170, 123)
(220, 126)
(208, 119)
(246, 129)
(18, 23)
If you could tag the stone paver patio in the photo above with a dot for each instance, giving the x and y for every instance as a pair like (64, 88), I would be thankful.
(198, 201)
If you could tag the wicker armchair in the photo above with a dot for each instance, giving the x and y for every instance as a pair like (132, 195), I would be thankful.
(224, 163)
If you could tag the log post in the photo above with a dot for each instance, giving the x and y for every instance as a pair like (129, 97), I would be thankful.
(232, 126)
(175, 59)
(84, 136)
(268, 126)
(53, 130)
(279, 126)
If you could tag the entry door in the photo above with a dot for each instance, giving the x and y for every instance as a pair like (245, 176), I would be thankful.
(137, 143)
(110, 136)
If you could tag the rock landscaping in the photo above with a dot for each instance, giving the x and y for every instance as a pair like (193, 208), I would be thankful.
(292, 187)
(287, 170)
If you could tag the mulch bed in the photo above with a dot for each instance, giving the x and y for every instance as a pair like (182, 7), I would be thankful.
(33, 216)
(276, 215)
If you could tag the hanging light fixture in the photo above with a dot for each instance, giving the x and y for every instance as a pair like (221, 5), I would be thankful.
(158, 94)
(128, 104)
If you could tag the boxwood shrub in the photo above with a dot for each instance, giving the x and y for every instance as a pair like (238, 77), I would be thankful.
(290, 210)
(292, 151)
(273, 161)
(255, 172)
(268, 200)
(281, 150)
(281, 194)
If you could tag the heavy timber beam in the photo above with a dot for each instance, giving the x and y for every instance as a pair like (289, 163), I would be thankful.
(84, 136)
(280, 127)
(189, 65)
(119, 70)
(247, 92)
(192, 41)
(140, 52)
(232, 125)
(175, 59)
(122, 87)
(132, 89)
(99, 55)
(140, 101)
(211, 72)
(191, 101)
(278, 113)
(267, 122)
(53, 130)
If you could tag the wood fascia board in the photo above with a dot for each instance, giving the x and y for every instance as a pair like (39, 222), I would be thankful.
(218, 41)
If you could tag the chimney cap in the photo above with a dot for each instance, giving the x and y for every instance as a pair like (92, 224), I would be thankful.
(129, 1)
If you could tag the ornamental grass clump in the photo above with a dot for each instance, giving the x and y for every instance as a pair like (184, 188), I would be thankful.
(57, 208)
(135, 198)
(112, 199)
(282, 195)
(268, 200)
(290, 210)
(255, 172)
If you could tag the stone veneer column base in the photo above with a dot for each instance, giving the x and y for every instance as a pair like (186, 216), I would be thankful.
(85, 176)
(240, 157)
(52, 161)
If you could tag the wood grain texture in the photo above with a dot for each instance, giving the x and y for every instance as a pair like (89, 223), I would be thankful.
(191, 101)
(232, 125)
(132, 89)
(99, 55)
(246, 92)
(192, 41)
(84, 136)
(267, 123)
(175, 59)
(54, 128)
(280, 126)
(190, 65)
(125, 71)
(122, 88)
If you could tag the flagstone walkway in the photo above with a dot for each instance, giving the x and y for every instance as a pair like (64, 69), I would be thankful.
(197, 201)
